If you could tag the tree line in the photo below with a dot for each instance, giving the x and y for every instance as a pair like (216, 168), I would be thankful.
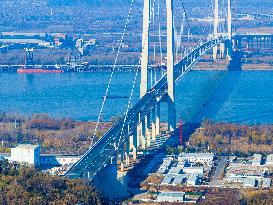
(24, 185)
(233, 138)
(54, 135)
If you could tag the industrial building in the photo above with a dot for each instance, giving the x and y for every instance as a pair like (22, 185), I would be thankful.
(26, 153)
(183, 169)
(269, 160)
(30, 154)
(170, 197)
(251, 174)
(257, 159)
(203, 158)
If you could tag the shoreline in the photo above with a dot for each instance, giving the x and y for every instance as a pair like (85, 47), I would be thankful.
(252, 67)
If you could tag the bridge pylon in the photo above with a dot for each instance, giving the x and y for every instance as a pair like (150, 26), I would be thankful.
(215, 28)
(229, 27)
(225, 47)
(170, 67)
(143, 126)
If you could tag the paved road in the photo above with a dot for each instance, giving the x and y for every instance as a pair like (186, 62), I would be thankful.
(219, 170)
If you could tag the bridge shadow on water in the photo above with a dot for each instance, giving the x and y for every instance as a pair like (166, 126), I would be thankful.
(219, 96)
(216, 99)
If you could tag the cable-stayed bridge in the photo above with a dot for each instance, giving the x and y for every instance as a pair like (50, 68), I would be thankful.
(96, 158)
(140, 124)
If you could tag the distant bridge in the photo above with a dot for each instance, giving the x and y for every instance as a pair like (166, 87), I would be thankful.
(254, 40)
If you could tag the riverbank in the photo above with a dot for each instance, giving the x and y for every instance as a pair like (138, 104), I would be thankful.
(254, 62)
(56, 136)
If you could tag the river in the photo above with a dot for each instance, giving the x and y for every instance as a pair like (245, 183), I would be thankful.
(240, 97)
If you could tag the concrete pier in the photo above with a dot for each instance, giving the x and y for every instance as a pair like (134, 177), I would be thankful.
(111, 183)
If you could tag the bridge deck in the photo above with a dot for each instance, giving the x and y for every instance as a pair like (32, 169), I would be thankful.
(99, 155)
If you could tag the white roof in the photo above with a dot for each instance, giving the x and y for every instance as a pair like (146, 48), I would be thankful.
(193, 176)
(27, 146)
(249, 182)
(175, 170)
(193, 169)
(257, 157)
(196, 155)
(172, 194)
(266, 182)
(178, 179)
(269, 159)
(167, 179)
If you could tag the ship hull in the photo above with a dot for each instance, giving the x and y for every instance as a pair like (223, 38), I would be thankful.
(38, 70)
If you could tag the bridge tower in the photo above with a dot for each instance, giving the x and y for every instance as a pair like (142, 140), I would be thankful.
(229, 27)
(170, 67)
(145, 49)
(143, 128)
(216, 26)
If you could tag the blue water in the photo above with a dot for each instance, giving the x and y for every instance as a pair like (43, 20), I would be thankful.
(243, 97)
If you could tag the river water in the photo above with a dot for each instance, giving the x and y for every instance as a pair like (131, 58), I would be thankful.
(240, 97)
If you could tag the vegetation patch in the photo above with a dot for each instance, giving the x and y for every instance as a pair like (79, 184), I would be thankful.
(24, 185)
(233, 138)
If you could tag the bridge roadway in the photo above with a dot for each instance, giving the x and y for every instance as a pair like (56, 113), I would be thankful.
(100, 155)
(253, 35)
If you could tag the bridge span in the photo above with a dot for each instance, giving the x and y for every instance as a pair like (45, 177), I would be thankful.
(100, 155)
(141, 124)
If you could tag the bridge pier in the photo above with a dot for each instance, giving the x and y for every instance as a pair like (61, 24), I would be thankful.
(247, 44)
(127, 148)
(222, 50)
(252, 43)
(157, 120)
(258, 44)
(171, 115)
(111, 183)
(139, 131)
(153, 125)
(134, 143)
(215, 52)
(240, 44)
(147, 131)
(228, 49)
(143, 133)
(122, 158)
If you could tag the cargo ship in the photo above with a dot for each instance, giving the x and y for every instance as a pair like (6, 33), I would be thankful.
(38, 70)
(30, 68)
